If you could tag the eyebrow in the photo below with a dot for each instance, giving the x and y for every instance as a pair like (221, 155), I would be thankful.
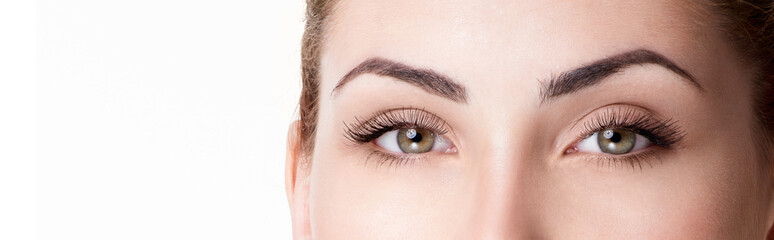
(591, 74)
(426, 79)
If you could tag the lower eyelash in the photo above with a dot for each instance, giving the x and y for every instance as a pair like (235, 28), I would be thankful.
(390, 160)
(634, 160)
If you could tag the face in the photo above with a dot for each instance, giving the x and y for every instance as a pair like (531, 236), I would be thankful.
(531, 119)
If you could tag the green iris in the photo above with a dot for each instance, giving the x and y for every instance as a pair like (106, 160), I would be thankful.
(616, 141)
(415, 140)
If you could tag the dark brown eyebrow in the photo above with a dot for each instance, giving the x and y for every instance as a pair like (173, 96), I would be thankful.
(591, 74)
(429, 80)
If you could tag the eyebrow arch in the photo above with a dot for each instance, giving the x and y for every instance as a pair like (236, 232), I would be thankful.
(429, 80)
(591, 74)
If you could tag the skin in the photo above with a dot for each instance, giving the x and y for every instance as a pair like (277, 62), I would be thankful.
(511, 177)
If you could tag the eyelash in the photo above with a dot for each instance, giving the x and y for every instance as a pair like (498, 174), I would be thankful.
(365, 131)
(662, 133)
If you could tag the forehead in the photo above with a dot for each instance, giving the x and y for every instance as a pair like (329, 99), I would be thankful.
(507, 39)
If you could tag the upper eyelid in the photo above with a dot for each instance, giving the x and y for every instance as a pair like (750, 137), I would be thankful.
(615, 119)
(583, 116)
(398, 118)
(657, 129)
(438, 122)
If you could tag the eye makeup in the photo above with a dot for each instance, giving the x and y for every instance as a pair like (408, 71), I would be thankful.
(409, 121)
(654, 134)
(363, 131)
(661, 134)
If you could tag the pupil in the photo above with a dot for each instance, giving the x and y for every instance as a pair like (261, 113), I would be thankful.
(616, 137)
(417, 138)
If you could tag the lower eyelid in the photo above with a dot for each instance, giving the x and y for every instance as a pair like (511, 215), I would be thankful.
(381, 159)
(637, 161)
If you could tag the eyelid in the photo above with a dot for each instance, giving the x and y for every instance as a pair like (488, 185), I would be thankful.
(637, 119)
(636, 161)
(618, 105)
(363, 131)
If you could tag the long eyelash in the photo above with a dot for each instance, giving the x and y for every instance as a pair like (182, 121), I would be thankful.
(363, 131)
(663, 133)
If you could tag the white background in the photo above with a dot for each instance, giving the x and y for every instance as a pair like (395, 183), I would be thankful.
(149, 119)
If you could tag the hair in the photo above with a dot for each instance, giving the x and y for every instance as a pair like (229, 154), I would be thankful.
(748, 23)
(317, 12)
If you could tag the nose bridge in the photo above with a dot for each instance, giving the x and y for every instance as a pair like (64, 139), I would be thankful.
(503, 157)
(504, 180)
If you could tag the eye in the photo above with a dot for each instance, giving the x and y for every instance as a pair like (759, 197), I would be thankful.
(613, 141)
(413, 141)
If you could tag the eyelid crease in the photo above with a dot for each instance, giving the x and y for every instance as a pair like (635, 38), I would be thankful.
(619, 105)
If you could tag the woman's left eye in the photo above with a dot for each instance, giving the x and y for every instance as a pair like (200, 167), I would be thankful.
(413, 141)
(613, 141)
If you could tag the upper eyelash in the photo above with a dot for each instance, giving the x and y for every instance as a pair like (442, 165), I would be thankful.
(363, 131)
(663, 133)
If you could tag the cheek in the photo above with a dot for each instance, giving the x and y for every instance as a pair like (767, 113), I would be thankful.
(690, 195)
(354, 199)
(714, 196)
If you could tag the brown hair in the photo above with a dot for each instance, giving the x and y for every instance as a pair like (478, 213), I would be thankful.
(749, 23)
(317, 11)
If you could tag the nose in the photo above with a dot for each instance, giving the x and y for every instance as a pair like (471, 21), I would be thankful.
(504, 176)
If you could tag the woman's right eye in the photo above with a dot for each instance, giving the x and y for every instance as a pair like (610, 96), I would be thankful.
(414, 141)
